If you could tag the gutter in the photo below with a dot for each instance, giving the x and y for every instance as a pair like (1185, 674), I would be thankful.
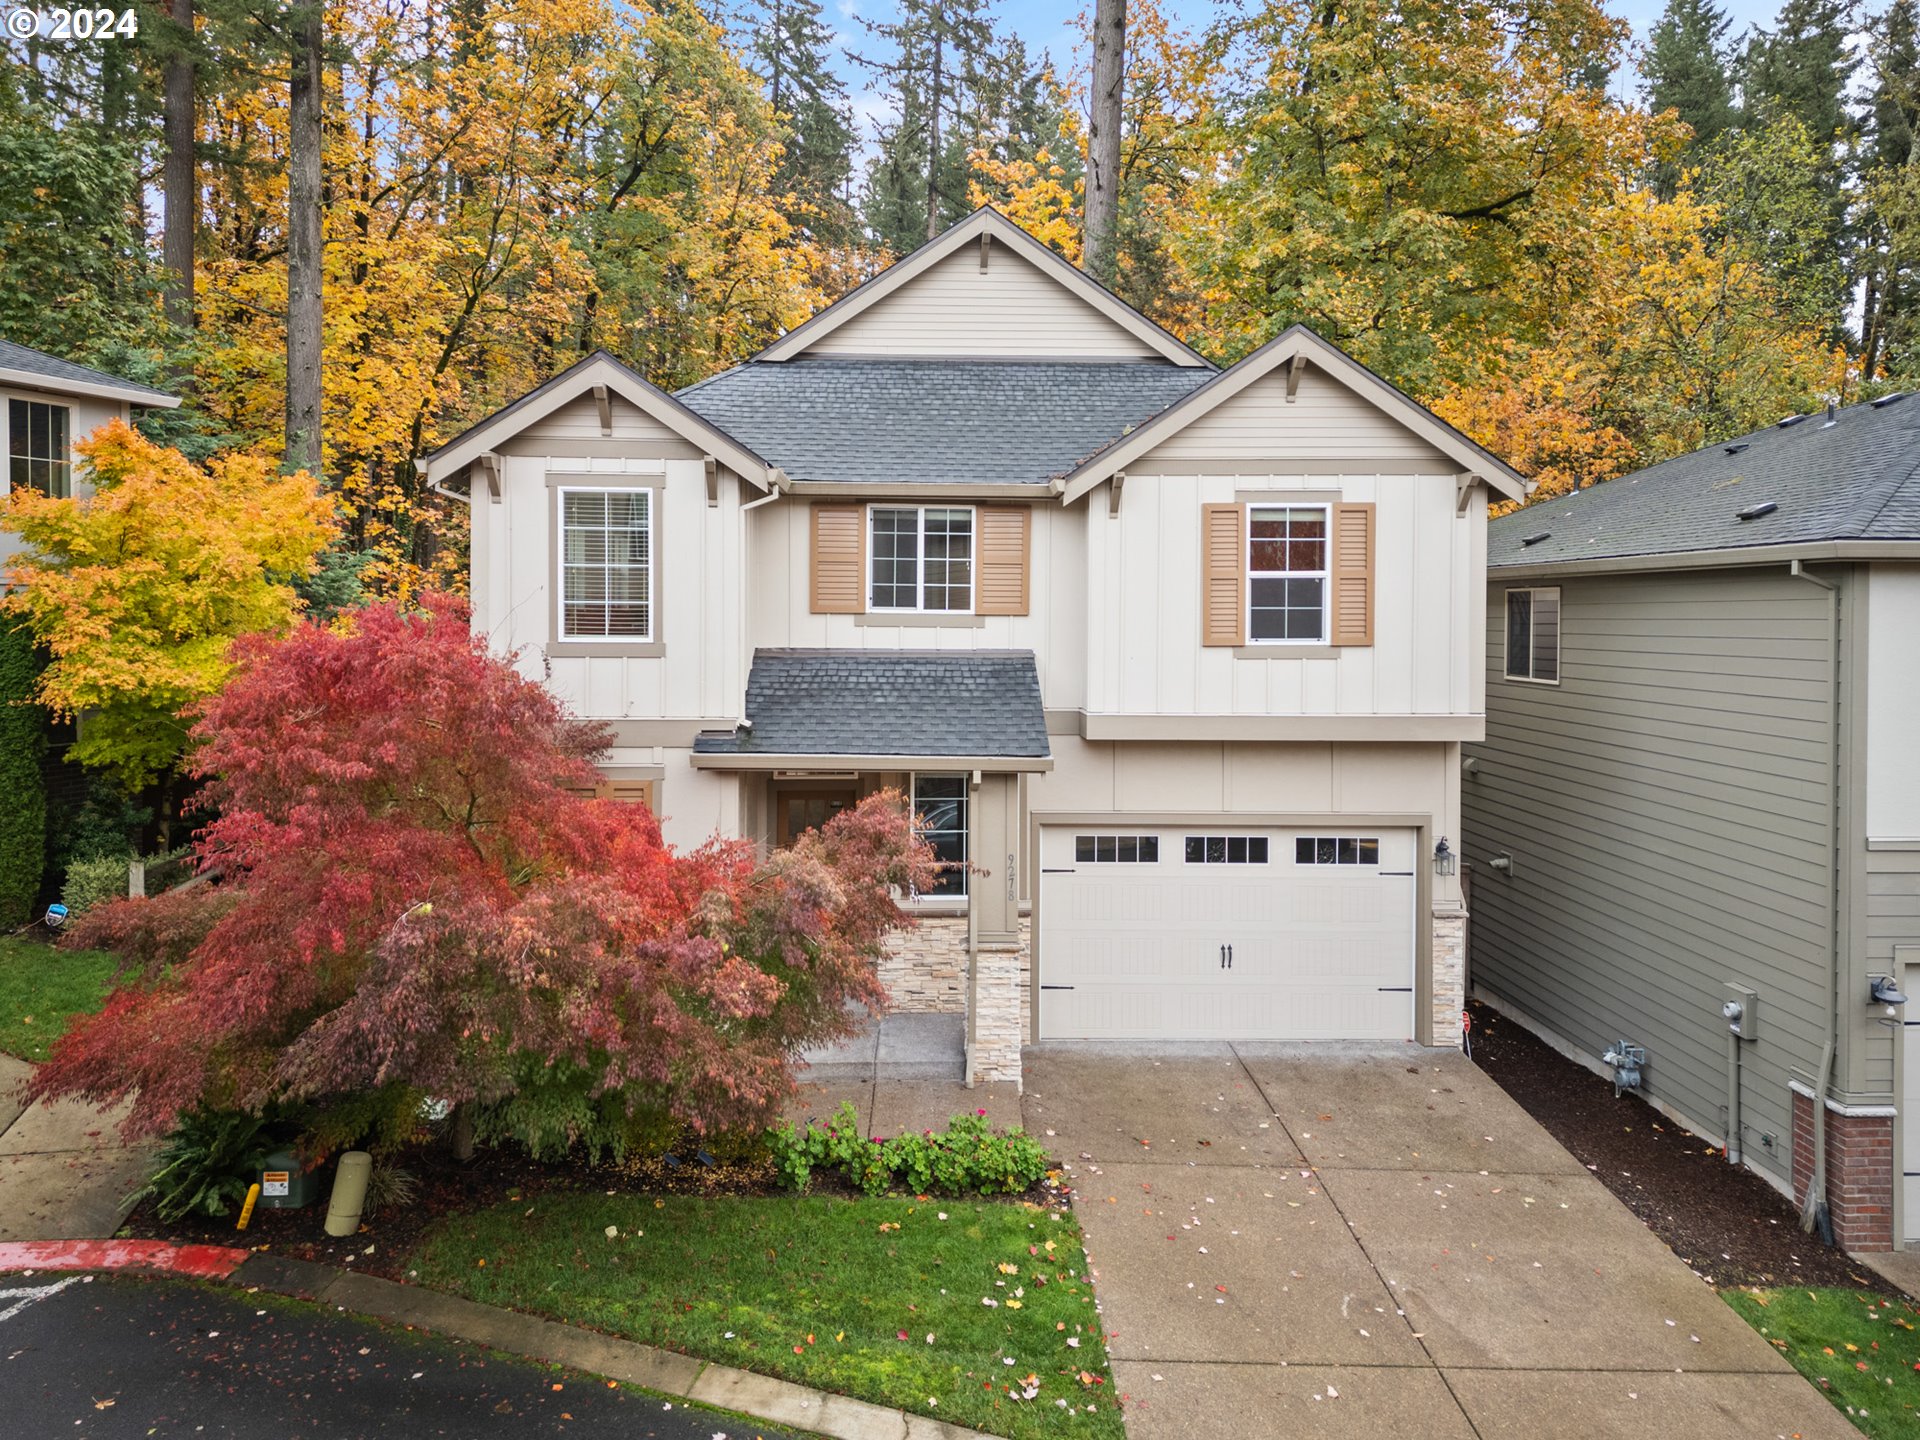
(1730, 556)
(1813, 1206)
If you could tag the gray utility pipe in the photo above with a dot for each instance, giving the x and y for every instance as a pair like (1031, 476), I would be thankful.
(1733, 1097)
(1813, 1206)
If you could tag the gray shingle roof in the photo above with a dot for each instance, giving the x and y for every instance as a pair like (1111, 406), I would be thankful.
(889, 702)
(890, 422)
(1857, 478)
(52, 367)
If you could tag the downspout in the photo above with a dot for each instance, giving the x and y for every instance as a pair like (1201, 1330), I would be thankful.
(1813, 1207)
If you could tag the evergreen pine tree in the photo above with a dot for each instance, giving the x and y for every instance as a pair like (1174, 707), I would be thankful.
(789, 48)
(1890, 208)
(1800, 68)
(1688, 68)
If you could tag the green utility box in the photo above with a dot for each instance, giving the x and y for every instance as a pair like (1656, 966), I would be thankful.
(284, 1184)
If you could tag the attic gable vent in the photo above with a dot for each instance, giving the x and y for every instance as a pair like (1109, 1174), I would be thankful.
(1789, 421)
(1536, 539)
(1886, 400)
(1754, 512)
(1736, 449)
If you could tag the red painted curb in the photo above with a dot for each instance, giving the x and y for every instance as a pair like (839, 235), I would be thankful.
(203, 1262)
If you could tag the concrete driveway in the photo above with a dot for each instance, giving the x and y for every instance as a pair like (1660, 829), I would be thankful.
(1316, 1240)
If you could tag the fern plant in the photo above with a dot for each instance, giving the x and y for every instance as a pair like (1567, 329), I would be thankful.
(207, 1164)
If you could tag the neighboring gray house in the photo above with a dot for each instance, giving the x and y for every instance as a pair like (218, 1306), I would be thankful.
(1701, 784)
(1178, 659)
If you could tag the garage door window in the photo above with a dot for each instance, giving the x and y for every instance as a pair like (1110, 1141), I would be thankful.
(1226, 850)
(1335, 850)
(941, 803)
(1116, 849)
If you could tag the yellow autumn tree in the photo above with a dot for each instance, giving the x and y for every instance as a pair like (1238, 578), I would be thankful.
(138, 590)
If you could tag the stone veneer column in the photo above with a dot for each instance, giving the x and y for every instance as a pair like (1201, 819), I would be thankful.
(1859, 1173)
(1449, 974)
(996, 939)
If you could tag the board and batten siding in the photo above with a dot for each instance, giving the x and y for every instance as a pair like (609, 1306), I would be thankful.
(1665, 808)
(1146, 590)
(1891, 864)
(1324, 421)
(1008, 310)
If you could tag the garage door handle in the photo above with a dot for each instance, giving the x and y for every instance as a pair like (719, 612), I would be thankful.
(1396, 989)
(1056, 987)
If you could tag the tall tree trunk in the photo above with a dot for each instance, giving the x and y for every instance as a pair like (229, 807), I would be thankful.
(303, 243)
(933, 130)
(178, 181)
(1103, 138)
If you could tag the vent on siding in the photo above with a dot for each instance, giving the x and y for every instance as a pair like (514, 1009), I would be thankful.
(1536, 539)
(1754, 512)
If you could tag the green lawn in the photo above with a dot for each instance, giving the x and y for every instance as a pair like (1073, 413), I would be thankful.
(885, 1300)
(1860, 1349)
(42, 989)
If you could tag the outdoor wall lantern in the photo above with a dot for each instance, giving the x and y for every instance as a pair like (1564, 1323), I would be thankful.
(1445, 862)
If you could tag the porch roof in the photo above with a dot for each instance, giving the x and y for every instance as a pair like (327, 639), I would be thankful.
(977, 708)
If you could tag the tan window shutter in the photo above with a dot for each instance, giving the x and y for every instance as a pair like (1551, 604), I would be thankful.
(839, 560)
(1353, 527)
(1001, 584)
(1223, 574)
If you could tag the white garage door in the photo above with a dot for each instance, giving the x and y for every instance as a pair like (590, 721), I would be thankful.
(1224, 932)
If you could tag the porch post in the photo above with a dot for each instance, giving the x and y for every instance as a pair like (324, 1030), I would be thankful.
(996, 985)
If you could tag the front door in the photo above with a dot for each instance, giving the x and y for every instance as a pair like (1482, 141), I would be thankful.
(798, 811)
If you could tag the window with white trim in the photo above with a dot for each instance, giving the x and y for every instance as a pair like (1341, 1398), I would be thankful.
(940, 819)
(1287, 574)
(39, 457)
(921, 558)
(606, 564)
(1533, 635)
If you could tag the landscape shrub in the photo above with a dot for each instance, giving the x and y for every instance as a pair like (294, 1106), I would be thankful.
(969, 1157)
(94, 881)
(207, 1164)
(23, 799)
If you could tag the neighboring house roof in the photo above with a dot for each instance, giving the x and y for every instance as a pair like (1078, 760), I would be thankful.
(1852, 478)
(985, 225)
(901, 421)
(597, 370)
(1298, 344)
(37, 370)
(976, 703)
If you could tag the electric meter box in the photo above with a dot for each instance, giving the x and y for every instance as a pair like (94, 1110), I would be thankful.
(284, 1185)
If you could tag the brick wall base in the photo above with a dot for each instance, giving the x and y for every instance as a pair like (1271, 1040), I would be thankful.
(1859, 1173)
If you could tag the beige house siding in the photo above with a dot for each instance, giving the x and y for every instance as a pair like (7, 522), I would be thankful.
(1008, 310)
(85, 415)
(1665, 808)
(580, 420)
(1325, 420)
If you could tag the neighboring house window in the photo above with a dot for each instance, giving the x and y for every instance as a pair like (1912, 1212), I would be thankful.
(1286, 573)
(38, 457)
(1328, 850)
(606, 565)
(1116, 849)
(922, 558)
(940, 802)
(1226, 850)
(1533, 635)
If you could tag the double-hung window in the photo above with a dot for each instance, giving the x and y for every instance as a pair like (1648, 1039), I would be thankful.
(940, 803)
(1287, 574)
(606, 565)
(1533, 635)
(922, 558)
(38, 453)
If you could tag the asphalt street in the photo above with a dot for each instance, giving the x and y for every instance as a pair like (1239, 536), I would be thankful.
(119, 1356)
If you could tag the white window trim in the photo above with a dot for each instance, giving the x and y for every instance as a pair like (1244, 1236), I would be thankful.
(965, 898)
(1506, 634)
(920, 561)
(1323, 575)
(560, 564)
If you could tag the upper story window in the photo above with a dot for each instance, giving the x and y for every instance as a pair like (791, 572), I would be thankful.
(606, 564)
(922, 558)
(38, 457)
(1287, 574)
(940, 803)
(1533, 635)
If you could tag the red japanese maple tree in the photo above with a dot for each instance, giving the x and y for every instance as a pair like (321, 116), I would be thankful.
(418, 897)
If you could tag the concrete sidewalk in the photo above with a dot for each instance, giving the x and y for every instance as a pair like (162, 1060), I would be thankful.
(64, 1172)
(1346, 1241)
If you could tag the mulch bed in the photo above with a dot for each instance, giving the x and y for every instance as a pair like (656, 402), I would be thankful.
(1727, 1223)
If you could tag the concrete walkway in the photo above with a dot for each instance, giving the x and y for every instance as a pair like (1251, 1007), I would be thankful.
(64, 1172)
(1337, 1241)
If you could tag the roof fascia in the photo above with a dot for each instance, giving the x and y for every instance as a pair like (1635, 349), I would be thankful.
(992, 764)
(1298, 341)
(1725, 559)
(569, 385)
(92, 389)
(984, 221)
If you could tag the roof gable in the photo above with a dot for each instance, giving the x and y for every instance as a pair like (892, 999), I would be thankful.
(984, 288)
(598, 369)
(1299, 346)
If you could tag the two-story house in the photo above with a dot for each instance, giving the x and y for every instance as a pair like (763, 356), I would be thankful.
(1175, 662)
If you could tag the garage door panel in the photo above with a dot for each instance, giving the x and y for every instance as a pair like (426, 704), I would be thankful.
(1134, 951)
